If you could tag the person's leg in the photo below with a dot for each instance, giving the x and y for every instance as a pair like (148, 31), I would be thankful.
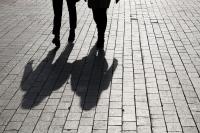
(102, 23)
(57, 8)
(100, 17)
(72, 19)
(95, 15)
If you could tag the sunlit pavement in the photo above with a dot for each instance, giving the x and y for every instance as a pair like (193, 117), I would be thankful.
(146, 81)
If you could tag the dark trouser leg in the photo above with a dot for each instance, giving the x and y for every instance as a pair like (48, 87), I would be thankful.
(72, 14)
(72, 19)
(100, 17)
(57, 8)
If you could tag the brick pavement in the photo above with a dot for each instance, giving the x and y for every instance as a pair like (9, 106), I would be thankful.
(147, 81)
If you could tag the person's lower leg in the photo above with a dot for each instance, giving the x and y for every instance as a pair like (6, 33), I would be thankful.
(72, 19)
(101, 27)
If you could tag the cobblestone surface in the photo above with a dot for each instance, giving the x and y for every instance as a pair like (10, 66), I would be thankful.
(148, 80)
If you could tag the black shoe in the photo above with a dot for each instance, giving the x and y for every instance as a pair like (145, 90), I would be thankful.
(56, 41)
(71, 36)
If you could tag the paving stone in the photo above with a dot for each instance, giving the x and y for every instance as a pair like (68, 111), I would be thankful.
(143, 129)
(100, 125)
(158, 122)
(101, 116)
(129, 126)
(13, 125)
(85, 129)
(61, 113)
(187, 122)
(90, 113)
(55, 129)
(114, 129)
(171, 118)
(46, 116)
(159, 129)
(30, 121)
(190, 129)
(102, 109)
(26, 129)
(42, 126)
(50, 109)
(52, 102)
(6, 116)
(143, 121)
(74, 116)
(114, 121)
(71, 125)
(34, 113)
(86, 121)
(58, 121)
(174, 127)
(18, 117)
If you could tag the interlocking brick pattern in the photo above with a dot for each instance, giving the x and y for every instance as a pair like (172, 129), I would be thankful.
(147, 81)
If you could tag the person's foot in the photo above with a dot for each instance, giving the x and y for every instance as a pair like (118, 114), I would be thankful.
(71, 36)
(100, 44)
(56, 41)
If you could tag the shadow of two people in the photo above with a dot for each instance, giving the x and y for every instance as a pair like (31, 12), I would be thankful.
(88, 77)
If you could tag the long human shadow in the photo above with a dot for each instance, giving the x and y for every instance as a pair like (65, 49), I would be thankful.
(94, 77)
(90, 76)
(38, 84)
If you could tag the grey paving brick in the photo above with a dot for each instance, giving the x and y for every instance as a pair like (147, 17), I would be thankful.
(143, 121)
(41, 126)
(50, 109)
(47, 116)
(6, 116)
(159, 129)
(99, 125)
(171, 118)
(61, 113)
(58, 121)
(115, 121)
(101, 116)
(158, 122)
(85, 129)
(143, 129)
(174, 127)
(90, 113)
(13, 126)
(129, 126)
(115, 104)
(18, 117)
(190, 129)
(86, 121)
(55, 129)
(71, 125)
(102, 109)
(115, 112)
(114, 129)
(30, 121)
(74, 116)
